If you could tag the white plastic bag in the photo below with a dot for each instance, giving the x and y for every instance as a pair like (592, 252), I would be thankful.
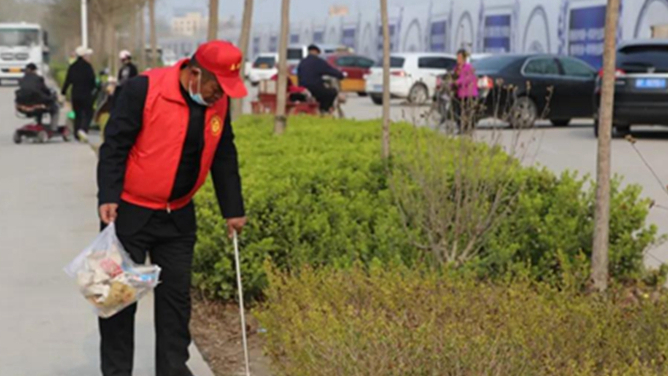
(107, 276)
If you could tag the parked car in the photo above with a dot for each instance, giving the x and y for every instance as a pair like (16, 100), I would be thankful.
(412, 76)
(355, 67)
(524, 88)
(264, 68)
(641, 89)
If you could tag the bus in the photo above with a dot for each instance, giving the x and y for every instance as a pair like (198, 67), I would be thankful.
(20, 44)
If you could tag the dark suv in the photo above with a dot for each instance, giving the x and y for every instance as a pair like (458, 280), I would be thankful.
(641, 88)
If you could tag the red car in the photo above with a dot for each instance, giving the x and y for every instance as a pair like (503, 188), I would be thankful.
(355, 67)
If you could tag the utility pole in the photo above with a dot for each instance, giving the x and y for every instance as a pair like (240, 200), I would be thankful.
(84, 23)
(386, 79)
(244, 39)
(280, 121)
(599, 262)
(153, 32)
(142, 34)
(212, 33)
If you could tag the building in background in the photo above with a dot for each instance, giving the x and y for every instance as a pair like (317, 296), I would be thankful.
(189, 23)
(570, 27)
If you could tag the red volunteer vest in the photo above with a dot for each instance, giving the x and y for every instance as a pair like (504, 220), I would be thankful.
(156, 154)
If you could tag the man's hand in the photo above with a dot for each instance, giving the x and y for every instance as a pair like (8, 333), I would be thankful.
(108, 213)
(235, 224)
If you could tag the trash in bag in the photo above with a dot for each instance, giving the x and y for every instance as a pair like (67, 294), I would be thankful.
(107, 276)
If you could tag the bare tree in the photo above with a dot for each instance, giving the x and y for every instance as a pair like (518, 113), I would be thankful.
(153, 33)
(386, 79)
(600, 261)
(142, 34)
(244, 40)
(212, 33)
(280, 121)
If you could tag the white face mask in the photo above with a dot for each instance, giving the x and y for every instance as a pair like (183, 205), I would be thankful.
(197, 98)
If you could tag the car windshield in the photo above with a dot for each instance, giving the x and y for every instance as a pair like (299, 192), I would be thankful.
(295, 54)
(395, 62)
(493, 64)
(19, 37)
(269, 61)
(643, 58)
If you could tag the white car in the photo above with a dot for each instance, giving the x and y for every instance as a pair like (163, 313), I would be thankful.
(412, 76)
(264, 67)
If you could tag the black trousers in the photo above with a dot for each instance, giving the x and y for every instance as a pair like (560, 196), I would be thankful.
(172, 250)
(83, 112)
(324, 96)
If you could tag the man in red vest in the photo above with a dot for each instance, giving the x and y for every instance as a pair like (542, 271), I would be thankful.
(170, 127)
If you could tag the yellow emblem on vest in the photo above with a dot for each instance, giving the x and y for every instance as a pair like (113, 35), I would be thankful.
(216, 125)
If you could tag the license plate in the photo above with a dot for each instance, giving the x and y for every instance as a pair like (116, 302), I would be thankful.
(14, 70)
(651, 83)
(377, 88)
(264, 66)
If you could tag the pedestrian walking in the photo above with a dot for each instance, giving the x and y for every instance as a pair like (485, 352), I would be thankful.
(466, 91)
(127, 71)
(81, 77)
(169, 128)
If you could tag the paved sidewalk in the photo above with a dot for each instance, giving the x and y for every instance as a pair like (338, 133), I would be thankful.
(47, 216)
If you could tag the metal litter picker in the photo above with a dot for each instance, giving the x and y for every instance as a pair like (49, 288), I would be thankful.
(241, 302)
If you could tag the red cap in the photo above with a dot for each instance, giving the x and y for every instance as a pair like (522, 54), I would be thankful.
(224, 60)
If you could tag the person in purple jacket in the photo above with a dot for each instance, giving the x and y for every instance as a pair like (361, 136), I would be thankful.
(466, 89)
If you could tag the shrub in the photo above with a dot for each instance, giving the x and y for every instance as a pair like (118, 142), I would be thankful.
(402, 321)
(319, 195)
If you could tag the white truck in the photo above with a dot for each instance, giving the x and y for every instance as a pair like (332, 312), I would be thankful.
(20, 44)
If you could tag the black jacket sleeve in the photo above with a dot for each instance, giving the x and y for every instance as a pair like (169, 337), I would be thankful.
(327, 70)
(68, 81)
(120, 135)
(225, 173)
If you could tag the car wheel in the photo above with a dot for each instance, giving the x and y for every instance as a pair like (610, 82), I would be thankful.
(377, 99)
(560, 122)
(618, 130)
(17, 138)
(362, 94)
(419, 94)
(523, 114)
(255, 84)
(42, 137)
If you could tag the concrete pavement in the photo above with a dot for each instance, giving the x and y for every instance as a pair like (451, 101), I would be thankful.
(47, 216)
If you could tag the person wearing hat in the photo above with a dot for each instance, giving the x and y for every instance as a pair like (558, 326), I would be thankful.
(34, 92)
(310, 72)
(170, 128)
(81, 77)
(126, 72)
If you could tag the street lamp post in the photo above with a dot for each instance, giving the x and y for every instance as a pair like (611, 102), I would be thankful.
(84, 23)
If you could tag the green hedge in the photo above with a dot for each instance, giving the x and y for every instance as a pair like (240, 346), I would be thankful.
(400, 321)
(319, 195)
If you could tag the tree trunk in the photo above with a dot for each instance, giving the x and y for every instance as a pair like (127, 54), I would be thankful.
(113, 45)
(142, 35)
(386, 80)
(212, 34)
(132, 40)
(244, 39)
(599, 263)
(153, 32)
(280, 122)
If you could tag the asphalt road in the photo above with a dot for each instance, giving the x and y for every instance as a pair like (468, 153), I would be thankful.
(47, 216)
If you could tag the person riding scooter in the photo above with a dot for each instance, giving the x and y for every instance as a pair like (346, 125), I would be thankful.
(33, 96)
(310, 73)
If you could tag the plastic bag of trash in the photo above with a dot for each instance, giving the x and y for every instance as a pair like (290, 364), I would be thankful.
(107, 276)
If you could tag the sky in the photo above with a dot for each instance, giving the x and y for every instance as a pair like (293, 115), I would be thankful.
(269, 10)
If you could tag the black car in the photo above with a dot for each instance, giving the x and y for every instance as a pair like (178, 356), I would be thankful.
(641, 88)
(521, 89)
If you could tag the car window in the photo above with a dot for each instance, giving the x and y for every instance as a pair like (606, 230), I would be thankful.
(267, 61)
(542, 66)
(395, 62)
(295, 54)
(346, 61)
(576, 68)
(365, 63)
(643, 58)
(436, 62)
